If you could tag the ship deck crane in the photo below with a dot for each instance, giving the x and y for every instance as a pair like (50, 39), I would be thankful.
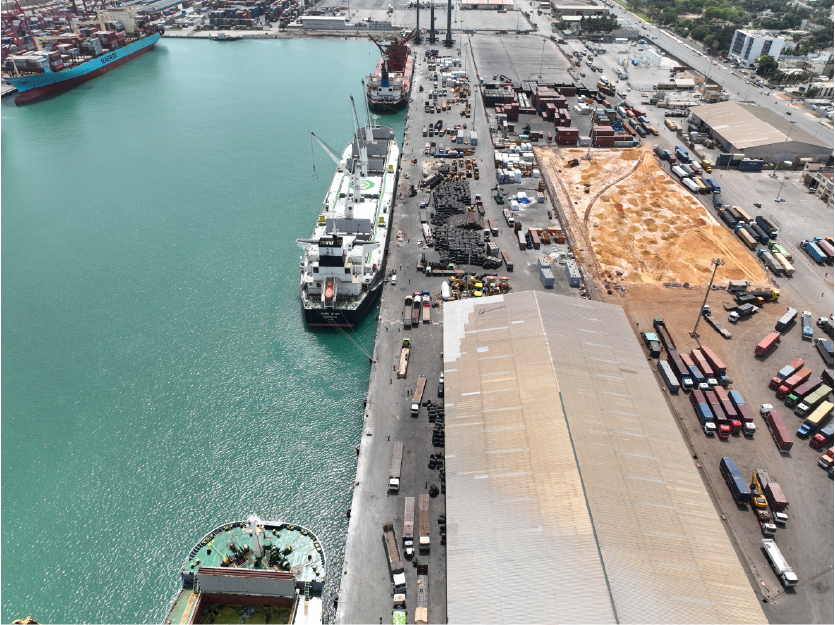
(355, 175)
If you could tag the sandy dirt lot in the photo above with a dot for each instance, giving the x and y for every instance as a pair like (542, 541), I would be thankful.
(642, 226)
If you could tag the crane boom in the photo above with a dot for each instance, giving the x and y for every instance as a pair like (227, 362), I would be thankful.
(327, 150)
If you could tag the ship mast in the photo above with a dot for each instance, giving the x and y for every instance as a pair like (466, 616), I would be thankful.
(355, 177)
(364, 146)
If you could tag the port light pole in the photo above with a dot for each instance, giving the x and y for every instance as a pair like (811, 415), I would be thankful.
(717, 262)
(777, 162)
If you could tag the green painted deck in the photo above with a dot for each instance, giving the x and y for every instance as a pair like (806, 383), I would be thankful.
(285, 549)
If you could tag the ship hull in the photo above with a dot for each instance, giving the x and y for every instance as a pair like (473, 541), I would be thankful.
(38, 85)
(388, 107)
(340, 317)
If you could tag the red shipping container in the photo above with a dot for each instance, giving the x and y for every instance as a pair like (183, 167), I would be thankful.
(779, 431)
(717, 365)
(776, 499)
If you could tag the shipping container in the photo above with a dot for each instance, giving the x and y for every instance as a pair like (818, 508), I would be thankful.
(746, 237)
(767, 225)
(802, 391)
(701, 363)
(811, 401)
(737, 485)
(716, 364)
(507, 261)
(668, 376)
(825, 350)
(776, 499)
(793, 382)
(779, 431)
(716, 408)
(764, 346)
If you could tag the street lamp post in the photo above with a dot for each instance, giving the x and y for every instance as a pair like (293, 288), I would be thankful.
(717, 262)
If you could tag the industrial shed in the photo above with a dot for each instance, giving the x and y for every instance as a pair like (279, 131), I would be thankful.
(571, 496)
(759, 133)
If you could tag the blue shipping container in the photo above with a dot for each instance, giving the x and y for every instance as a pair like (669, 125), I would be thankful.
(714, 184)
(736, 398)
(739, 489)
(704, 413)
(697, 376)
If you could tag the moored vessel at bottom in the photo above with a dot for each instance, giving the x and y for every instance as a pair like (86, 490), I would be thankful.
(252, 571)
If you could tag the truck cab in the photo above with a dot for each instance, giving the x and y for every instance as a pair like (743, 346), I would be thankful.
(709, 428)
(409, 547)
(765, 409)
(749, 429)
(724, 432)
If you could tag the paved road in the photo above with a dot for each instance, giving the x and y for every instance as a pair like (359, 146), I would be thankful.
(726, 77)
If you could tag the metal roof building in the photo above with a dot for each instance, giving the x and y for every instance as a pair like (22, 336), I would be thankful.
(758, 132)
(571, 496)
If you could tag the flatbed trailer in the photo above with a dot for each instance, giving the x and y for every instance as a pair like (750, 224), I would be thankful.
(407, 312)
(404, 359)
(423, 521)
(398, 575)
(396, 464)
(416, 310)
(409, 519)
(418, 397)
(664, 334)
(422, 603)
(717, 326)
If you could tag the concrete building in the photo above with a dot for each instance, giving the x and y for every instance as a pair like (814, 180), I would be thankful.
(578, 7)
(318, 22)
(820, 179)
(748, 45)
(488, 5)
(571, 495)
(758, 133)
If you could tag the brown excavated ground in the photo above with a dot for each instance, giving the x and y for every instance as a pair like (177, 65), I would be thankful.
(643, 227)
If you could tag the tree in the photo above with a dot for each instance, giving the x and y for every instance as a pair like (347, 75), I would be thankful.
(768, 65)
(669, 15)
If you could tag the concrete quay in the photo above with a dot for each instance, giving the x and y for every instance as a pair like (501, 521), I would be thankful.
(365, 594)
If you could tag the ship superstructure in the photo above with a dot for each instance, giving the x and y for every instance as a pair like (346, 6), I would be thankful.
(387, 89)
(343, 265)
(252, 571)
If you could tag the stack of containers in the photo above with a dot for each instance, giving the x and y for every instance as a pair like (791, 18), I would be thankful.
(573, 273)
(602, 137)
(567, 136)
(545, 273)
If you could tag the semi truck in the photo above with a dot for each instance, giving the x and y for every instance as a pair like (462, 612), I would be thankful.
(652, 343)
(785, 372)
(409, 527)
(825, 350)
(398, 575)
(778, 563)
(787, 319)
(778, 429)
(508, 263)
(680, 370)
(825, 247)
(814, 420)
(713, 360)
(404, 359)
(426, 308)
(418, 397)
(396, 462)
(702, 408)
(812, 400)
(422, 602)
(407, 312)
(664, 334)
(807, 388)
(739, 489)
(416, 304)
(764, 346)
(701, 362)
(759, 234)
(814, 251)
(719, 416)
(769, 261)
(776, 499)
(767, 225)
(823, 438)
(423, 522)
(668, 376)
(793, 382)
(788, 268)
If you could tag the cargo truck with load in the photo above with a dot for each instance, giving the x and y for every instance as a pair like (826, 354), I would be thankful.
(682, 154)
(713, 360)
(508, 263)
(416, 305)
(701, 362)
(787, 319)
(398, 574)
(652, 343)
(786, 372)
(407, 312)
(426, 308)
(769, 261)
(793, 382)
(695, 373)
(807, 388)
(767, 225)
(826, 248)
(668, 376)
(814, 251)
(788, 268)
(404, 359)
(776, 499)
(680, 370)
(814, 420)
(719, 416)
(764, 346)
(739, 489)
(418, 397)
(812, 400)
(823, 438)
(423, 522)
(825, 350)
(778, 429)
(394, 470)
(422, 601)
(745, 310)
(778, 563)
(409, 527)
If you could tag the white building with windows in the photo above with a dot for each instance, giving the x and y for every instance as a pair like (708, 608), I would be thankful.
(748, 45)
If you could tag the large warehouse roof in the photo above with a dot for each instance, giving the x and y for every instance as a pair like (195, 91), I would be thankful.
(749, 125)
(571, 496)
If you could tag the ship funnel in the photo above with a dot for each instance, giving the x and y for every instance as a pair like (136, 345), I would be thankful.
(254, 521)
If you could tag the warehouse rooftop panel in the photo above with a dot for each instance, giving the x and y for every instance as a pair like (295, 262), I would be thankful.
(566, 471)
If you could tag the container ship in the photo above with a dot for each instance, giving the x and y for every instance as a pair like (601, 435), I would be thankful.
(343, 266)
(74, 58)
(387, 89)
(252, 571)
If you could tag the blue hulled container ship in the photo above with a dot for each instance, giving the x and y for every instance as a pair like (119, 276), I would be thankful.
(35, 74)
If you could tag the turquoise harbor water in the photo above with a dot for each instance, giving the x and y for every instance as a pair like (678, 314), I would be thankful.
(157, 378)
